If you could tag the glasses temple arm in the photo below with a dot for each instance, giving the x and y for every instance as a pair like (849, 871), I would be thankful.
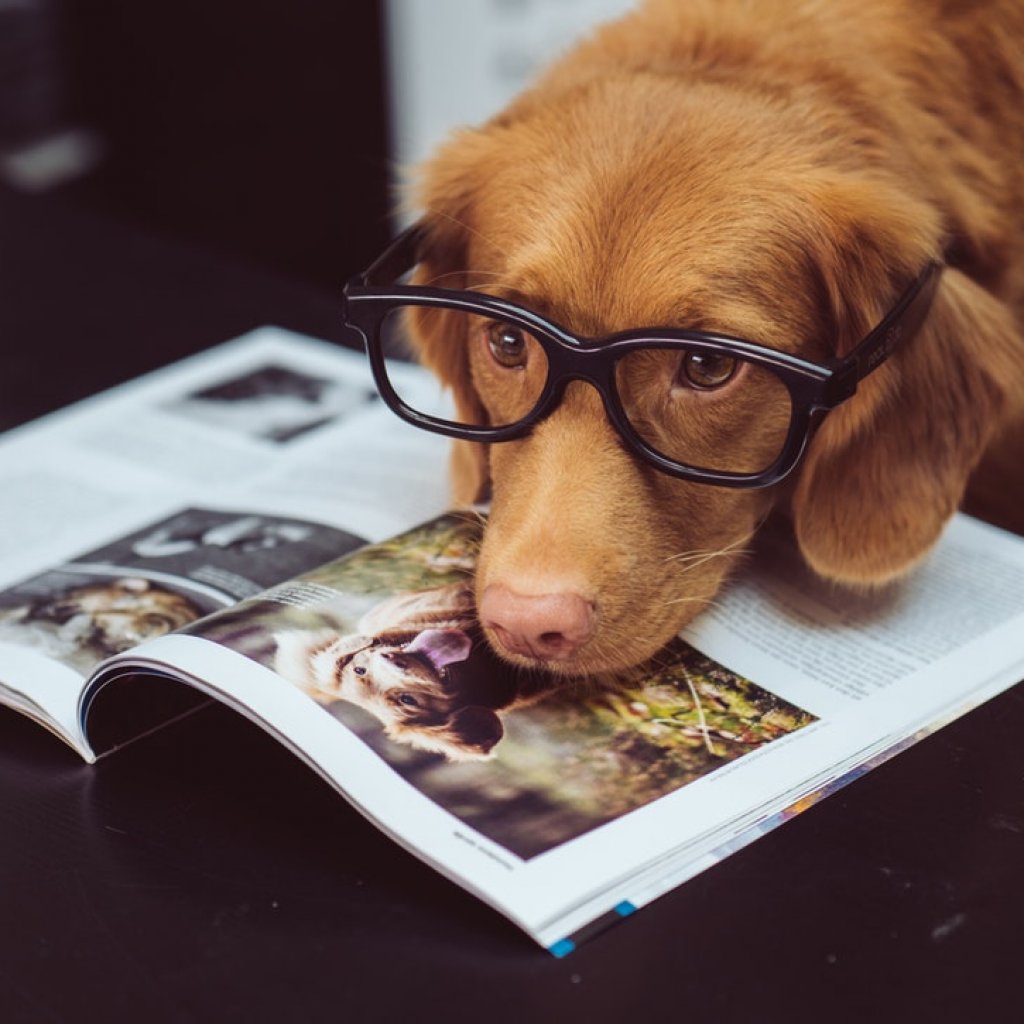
(398, 258)
(902, 322)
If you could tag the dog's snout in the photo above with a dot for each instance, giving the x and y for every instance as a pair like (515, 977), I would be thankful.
(546, 627)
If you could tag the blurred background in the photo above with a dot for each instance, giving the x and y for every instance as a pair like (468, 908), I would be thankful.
(266, 130)
(153, 152)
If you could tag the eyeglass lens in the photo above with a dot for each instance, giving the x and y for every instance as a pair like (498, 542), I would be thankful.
(705, 409)
(507, 365)
(702, 408)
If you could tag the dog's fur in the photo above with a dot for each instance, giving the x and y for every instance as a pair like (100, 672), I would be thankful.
(778, 170)
(405, 665)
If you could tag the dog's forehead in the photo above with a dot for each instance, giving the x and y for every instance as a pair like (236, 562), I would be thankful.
(410, 669)
(628, 238)
(600, 271)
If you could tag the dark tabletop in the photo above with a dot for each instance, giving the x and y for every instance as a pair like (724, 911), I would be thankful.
(204, 874)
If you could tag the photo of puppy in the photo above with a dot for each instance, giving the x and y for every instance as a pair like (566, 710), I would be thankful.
(81, 624)
(401, 667)
(780, 173)
(417, 663)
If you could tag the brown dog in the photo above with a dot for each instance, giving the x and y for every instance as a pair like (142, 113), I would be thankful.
(415, 666)
(776, 171)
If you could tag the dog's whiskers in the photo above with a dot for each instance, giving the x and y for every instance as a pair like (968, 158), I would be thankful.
(690, 560)
(684, 556)
(690, 556)
(696, 563)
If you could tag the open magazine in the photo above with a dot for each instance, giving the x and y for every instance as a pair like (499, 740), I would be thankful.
(186, 529)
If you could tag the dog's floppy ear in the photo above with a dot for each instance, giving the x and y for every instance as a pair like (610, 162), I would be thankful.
(472, 733)
(887, 469)
(469, 734)
(446, 192)
(441, 647)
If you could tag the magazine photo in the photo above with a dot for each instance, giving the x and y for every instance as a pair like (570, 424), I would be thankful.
(386, 640)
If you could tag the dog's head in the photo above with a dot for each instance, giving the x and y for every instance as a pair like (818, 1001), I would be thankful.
(615, 200)
(407, 687)
(116, 614)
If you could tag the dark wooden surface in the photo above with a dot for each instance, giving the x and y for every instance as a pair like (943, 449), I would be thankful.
(204, 874)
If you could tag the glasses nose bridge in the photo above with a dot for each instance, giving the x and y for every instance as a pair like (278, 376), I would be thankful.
(569, 365)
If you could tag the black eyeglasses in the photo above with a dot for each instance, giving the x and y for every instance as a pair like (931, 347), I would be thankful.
(694, 404)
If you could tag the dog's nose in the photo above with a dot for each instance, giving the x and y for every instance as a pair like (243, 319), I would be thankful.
(548, 627)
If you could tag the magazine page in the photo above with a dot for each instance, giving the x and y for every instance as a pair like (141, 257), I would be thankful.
(148, 506)
(57, 626)
(565, 805)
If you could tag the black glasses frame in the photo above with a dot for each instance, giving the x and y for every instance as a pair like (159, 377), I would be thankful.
(815, 389)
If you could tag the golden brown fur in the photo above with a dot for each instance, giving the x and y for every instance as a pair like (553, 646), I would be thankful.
(774, 169)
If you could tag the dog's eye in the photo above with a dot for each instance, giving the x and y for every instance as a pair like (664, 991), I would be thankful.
(507, 345)
(706, 370)
(408, 700)
(360, 670)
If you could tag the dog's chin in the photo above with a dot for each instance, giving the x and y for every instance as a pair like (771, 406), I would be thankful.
(596, 660)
